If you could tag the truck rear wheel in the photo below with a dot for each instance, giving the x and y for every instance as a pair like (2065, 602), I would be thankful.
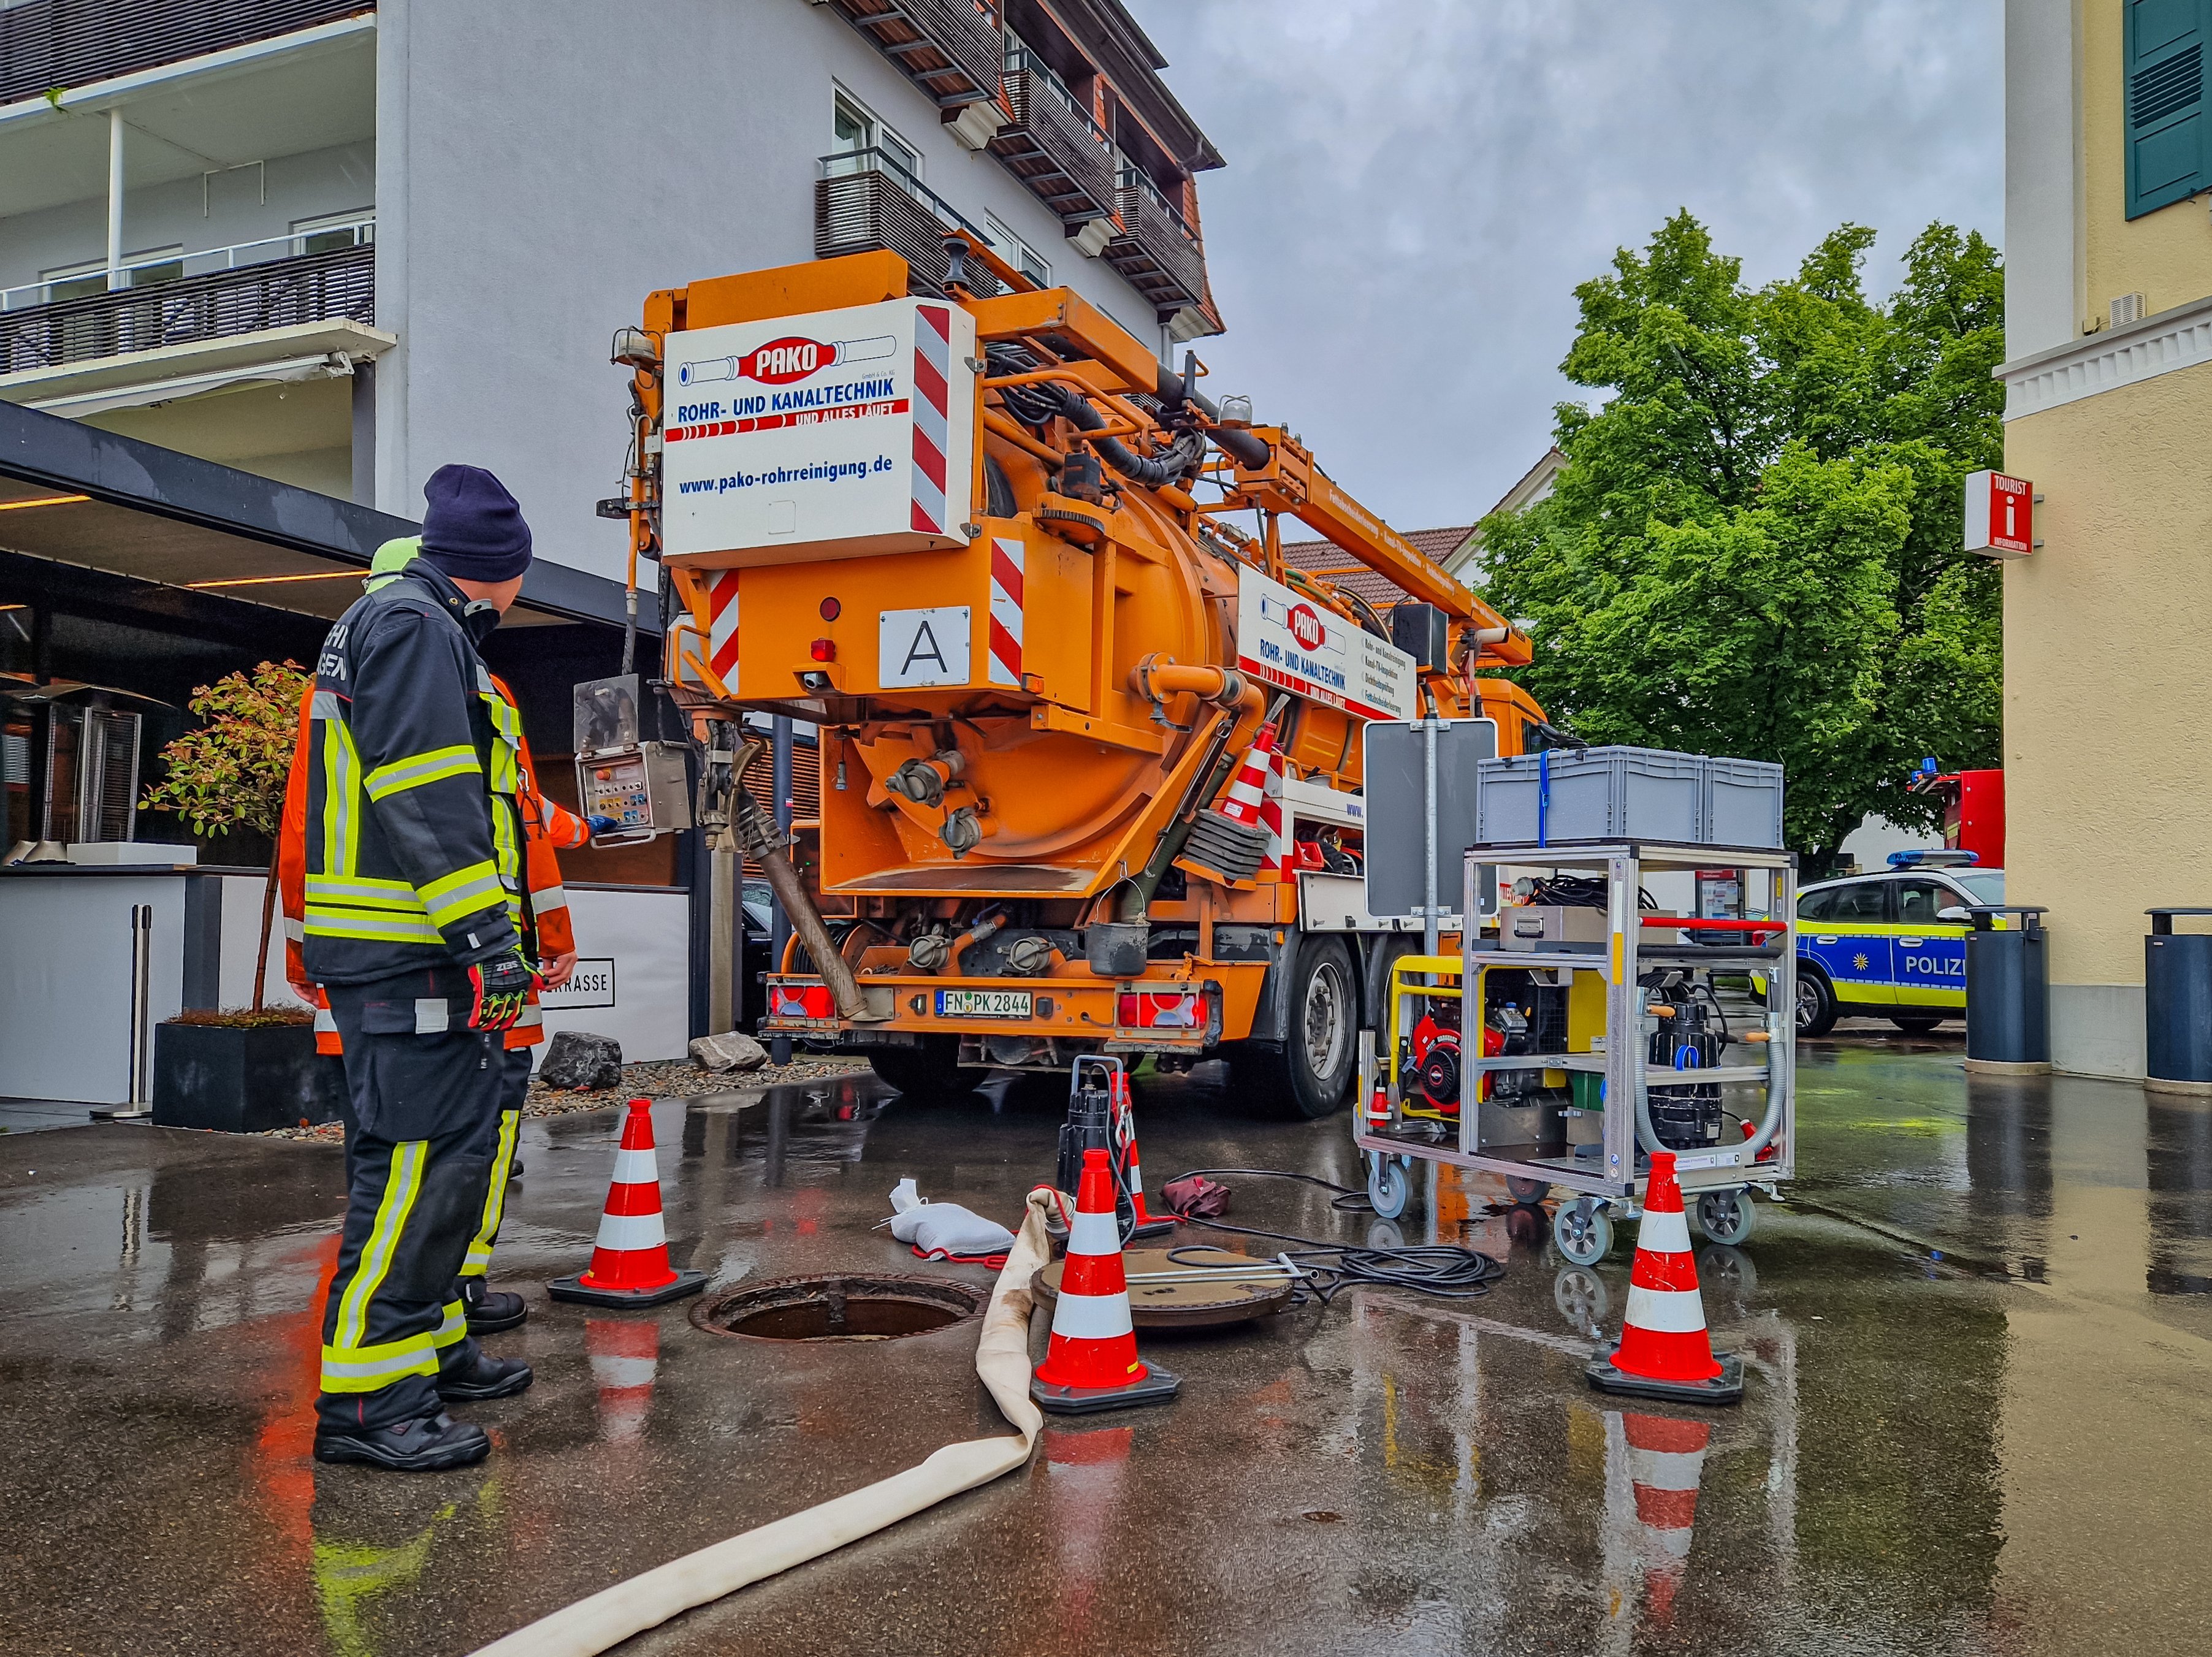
(1311, 1075)
(930, 1071)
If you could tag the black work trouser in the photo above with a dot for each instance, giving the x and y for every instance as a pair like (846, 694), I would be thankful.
(425, 1091)
(498, 1144)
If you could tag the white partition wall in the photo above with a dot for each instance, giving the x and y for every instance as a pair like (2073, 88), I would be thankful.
(633, 970)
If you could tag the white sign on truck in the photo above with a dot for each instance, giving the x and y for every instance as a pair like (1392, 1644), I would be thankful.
(1287, 640)
(838, 434)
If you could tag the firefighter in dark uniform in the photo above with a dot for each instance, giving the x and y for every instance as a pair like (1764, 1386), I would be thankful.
(413, 927)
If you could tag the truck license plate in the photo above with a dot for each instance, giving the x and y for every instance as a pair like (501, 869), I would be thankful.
(983, 1004)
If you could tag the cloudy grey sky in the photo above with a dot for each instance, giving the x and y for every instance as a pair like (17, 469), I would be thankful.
(1415, 189)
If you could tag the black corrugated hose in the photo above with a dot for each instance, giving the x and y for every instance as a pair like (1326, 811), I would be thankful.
(1443, 1270)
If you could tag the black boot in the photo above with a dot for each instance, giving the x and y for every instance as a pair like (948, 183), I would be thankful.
(491, 1310)
(514, 1168)
(491, 1378)
(425, 1445)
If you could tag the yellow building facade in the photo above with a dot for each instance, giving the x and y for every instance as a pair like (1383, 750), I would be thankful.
(2108, 622)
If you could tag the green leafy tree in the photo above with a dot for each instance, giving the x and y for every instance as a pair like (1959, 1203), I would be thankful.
(232, 772)
(1753, 548)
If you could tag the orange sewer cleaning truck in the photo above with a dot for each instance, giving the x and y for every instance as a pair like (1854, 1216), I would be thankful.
(1091, 753)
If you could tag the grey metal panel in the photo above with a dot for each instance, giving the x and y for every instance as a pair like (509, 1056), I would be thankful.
(203, 941)
(1395, 830)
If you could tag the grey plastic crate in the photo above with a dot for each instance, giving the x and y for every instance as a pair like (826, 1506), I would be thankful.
(1598, 793)
(1743, 803)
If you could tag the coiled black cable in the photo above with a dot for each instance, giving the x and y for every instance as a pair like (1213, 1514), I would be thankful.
(1443, 1270)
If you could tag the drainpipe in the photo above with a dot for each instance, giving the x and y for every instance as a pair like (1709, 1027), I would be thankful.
(114, 200)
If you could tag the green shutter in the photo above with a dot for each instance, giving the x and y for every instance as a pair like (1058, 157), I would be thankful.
(2169, 72)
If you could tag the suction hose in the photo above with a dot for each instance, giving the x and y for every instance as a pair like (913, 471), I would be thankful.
(1182, 455)
(1002, 1363)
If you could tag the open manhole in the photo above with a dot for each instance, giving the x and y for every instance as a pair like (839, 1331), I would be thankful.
(839, 1308)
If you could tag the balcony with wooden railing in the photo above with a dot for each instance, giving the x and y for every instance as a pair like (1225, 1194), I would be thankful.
(1156, 251)
(46, 44)
(865, 200)
(1052, 144)
(949, 48)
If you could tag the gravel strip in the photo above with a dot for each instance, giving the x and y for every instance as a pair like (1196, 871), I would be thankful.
(674, 1078)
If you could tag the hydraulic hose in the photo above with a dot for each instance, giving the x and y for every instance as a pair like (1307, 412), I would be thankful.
(1247, 450)
(1182, 455)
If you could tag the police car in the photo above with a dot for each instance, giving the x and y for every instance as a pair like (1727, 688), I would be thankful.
(1875, 945)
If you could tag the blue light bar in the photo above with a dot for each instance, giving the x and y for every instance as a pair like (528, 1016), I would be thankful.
(1930, 860)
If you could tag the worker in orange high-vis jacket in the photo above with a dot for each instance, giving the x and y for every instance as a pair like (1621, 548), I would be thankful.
(548, 827)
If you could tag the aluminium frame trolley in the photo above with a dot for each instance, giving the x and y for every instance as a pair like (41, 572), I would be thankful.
(1604, 1036)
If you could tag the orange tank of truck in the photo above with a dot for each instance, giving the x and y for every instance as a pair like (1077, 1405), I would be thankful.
(1026, 582)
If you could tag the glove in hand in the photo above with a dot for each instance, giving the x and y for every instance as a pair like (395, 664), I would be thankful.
(500, 985)
(599, 825)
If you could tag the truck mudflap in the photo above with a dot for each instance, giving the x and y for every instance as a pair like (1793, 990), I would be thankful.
(1186, 1013)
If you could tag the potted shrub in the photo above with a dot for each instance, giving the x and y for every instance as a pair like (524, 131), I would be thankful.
(254, 1067)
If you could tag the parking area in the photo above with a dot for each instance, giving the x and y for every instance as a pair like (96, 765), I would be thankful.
(1976, 1336)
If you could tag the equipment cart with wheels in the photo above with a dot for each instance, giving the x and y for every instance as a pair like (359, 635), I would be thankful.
(1612, 1032)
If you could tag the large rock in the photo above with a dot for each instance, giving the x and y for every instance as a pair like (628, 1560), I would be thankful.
(732, 1051)
(577, 1058)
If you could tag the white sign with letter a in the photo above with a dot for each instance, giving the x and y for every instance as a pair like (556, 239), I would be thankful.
(918, 648)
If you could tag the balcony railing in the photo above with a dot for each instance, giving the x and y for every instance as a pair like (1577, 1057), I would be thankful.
(1156, 251)
(865, 200)
(949, 48)
(165, 267)
(1052, 144)
(45, 44)
(274, 294)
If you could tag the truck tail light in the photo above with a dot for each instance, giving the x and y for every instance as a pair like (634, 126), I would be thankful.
(1146, 1010)
(800, 1001)
(824, 650)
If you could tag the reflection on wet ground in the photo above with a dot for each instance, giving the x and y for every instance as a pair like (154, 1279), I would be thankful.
(1977, 1335)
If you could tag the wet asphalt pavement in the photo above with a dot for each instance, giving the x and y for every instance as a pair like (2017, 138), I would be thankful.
(1978, 1414)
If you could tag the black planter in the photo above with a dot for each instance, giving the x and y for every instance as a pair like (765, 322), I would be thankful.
(243, 1081)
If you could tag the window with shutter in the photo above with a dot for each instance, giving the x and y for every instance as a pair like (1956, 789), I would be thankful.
(2166, 62)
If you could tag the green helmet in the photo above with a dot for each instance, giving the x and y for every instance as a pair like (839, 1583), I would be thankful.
(390, 558)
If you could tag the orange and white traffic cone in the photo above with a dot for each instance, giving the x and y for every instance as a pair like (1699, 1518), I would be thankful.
(630, 1262)
(1666, 1459)
(1092, 1362)
(1228, 843)
(625, 1354)
(1664, 1352)
(1148, 1224)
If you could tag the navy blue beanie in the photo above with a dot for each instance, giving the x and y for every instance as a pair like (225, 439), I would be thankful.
(473, 529)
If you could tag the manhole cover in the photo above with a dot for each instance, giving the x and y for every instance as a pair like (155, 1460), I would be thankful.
(839, 1308)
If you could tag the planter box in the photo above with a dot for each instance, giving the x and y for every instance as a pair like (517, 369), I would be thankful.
(243, 1081)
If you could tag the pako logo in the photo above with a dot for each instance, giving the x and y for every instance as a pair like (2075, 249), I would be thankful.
(1306, 627)
(783, 360)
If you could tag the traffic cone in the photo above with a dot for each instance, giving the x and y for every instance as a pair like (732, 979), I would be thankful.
(1091, 1362)
(1664, 1352)
(1228, 843)
(1666, 1460)
(630, 1262)
(625, 1354)
(1148, 1224)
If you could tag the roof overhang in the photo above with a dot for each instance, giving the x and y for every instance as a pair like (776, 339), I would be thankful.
(72, 494)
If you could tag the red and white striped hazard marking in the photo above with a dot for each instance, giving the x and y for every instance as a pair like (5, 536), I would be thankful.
(1270, 819)
(932, 367)
(722, 623)
(1007, 570)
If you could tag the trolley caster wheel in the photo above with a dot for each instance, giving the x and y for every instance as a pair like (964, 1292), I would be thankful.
(1725, 1216)
(1581, 1232)
(1389, 1187)
(1583, 1299)
(1527, 1191)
